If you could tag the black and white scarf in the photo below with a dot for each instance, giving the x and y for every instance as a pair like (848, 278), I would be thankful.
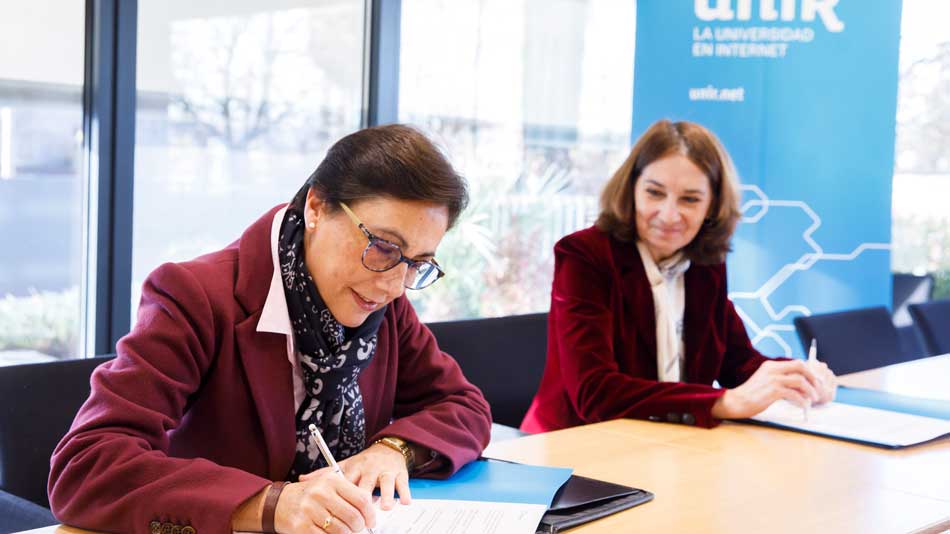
(331, 356)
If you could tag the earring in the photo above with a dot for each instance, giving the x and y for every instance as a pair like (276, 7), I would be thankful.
(311, 225)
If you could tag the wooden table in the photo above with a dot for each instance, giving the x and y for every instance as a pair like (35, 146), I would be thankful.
(745, 478)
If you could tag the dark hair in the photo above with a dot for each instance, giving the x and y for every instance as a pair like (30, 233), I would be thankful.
(394, 161)
(689, 139)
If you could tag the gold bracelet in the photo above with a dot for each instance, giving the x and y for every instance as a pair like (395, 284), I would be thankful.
(402, 447)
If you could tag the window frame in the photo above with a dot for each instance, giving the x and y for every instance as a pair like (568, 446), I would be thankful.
(109, 133)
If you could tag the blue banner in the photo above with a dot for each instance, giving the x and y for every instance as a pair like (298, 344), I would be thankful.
(803, 93)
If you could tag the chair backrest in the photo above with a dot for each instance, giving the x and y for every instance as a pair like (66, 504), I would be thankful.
(910, 342)
(909, 289)
(912, 288)
(933, 323)
(38, 402)
(853, 340)
(503, 356)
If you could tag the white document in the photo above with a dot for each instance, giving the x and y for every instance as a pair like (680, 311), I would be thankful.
(857, 422)
(432, 516)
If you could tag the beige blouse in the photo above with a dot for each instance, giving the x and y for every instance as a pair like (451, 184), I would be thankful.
(669, 301)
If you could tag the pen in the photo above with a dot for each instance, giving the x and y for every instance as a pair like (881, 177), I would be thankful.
(317, 438)
(812, 357)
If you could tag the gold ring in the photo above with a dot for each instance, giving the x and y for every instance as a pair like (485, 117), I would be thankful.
(327, 522)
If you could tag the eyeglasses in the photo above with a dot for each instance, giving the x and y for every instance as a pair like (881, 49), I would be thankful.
(381, 255)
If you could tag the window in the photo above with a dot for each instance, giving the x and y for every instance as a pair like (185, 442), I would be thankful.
(237, 104)
(41, 179)
(531, 99)
(921, 218)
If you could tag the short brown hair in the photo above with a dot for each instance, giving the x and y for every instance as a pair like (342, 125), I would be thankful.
(700, 146)
(395, 161)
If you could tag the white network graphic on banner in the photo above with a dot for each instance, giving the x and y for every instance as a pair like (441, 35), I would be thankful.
(804, 263)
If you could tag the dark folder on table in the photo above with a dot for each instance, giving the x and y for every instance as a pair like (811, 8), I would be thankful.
(583, 499)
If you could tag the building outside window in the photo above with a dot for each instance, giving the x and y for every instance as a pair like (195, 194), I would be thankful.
(42, 183)
(531, 99)
(921, 197)
(237, 104)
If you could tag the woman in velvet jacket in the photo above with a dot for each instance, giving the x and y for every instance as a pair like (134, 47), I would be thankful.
(640, 325)
(203, 415)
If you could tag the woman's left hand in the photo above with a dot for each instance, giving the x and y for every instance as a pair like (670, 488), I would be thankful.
(828, 381)
(378, 466)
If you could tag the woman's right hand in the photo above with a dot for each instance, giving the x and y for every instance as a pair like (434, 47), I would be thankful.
(304, 506)
(792, 380)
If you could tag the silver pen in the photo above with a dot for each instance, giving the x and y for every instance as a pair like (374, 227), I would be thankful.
(317, 438)
(812, 357)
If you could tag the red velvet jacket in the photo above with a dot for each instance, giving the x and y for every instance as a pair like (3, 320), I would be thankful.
(196, 413)
(601, 361)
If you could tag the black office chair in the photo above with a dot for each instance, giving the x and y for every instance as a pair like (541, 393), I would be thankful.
(911, 289)
(17, 515)
(933, 323)
(853, 340)
(38, 402)
(908, 340)
(504, 357)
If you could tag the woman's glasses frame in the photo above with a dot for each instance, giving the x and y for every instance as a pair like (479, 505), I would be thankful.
(415, 266)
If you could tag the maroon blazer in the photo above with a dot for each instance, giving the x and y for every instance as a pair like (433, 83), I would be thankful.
(196, 413)
(601, 361)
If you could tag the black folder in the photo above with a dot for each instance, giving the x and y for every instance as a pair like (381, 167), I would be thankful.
(583, 499)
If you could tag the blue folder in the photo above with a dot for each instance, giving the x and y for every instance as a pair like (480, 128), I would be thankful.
(870, 398)
(495, 481)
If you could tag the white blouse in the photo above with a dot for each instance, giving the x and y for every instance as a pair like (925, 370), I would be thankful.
(669, 302)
